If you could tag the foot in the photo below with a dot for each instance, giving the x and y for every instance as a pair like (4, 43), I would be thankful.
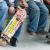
(0, 33)
(49, 29)
(48, 37)
(3, 42)
(29, 32)
(13, 41)
(43, 32)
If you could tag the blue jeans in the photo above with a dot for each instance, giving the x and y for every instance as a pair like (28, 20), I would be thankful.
(16, 35)
(3, 14)
(38, 15)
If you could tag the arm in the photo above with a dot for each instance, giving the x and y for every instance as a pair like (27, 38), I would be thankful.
(47, 1)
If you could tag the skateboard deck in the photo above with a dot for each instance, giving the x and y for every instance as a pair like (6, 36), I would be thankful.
(14, 24)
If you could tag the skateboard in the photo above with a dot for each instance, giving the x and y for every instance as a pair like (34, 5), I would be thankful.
(14, 24)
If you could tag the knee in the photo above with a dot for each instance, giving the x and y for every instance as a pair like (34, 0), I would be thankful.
(35, 10)
(46, 11)
(33, 7)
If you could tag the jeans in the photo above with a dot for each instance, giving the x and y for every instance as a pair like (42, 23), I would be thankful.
(38, 15)
(17, 33)
(3, 14)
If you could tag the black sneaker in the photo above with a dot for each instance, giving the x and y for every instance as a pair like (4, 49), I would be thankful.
(29, 32)
(49, 29)
(42, 32)
(13, 41)
(0, 33)
(48, 36)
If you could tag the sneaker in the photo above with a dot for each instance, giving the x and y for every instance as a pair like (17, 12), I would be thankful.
(29, 32)
(13, 41)
(49, 29)
(0, 33)
(42, 32)
(48, 37)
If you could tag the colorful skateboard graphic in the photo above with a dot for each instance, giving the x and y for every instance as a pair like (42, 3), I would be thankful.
(14, 24)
